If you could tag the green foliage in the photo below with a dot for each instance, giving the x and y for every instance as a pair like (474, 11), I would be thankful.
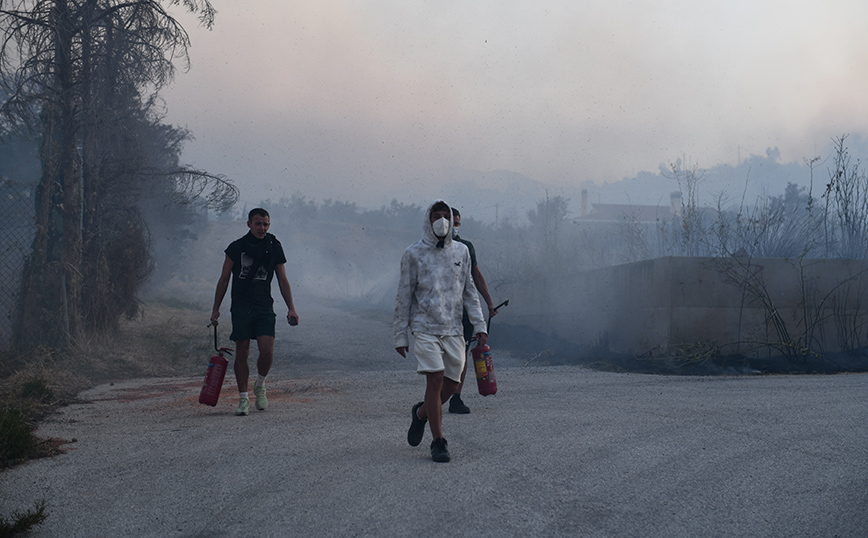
(16, 436)
(22, 523)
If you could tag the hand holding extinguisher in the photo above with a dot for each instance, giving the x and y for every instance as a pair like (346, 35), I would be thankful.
(216, 372)
(483, 363)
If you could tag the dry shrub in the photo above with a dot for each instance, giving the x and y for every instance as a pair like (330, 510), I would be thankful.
(162, 341)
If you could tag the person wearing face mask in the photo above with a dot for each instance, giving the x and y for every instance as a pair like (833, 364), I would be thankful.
(434, 288)
(456, 404)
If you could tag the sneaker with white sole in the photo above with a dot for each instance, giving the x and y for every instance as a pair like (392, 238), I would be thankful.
(243, 408)
(261, 400)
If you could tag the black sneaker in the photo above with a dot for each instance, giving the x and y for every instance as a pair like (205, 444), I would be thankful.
(417, 427)
(439, 452)
(456, 405)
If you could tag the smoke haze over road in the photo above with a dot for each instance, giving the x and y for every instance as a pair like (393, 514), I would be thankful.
(374, 100)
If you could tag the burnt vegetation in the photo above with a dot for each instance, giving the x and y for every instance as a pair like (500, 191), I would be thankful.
(81, 80)
(827, 219)
(82, 139)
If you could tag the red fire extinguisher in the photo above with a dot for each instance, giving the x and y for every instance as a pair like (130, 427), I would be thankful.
(215, 374)
(484, 365)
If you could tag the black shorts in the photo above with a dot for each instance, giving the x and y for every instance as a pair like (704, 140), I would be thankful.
(250, 323)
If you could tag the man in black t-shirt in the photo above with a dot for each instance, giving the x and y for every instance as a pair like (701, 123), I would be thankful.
(251, 263)
(456, 404)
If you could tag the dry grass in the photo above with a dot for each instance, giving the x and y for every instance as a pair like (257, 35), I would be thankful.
(164, 341)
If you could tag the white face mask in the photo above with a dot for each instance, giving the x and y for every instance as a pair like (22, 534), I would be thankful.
(441, 227)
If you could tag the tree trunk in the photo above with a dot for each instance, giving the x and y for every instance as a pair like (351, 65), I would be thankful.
(51, 309)
(70, 178)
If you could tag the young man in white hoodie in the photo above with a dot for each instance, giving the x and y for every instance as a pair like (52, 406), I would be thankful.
(434, 288)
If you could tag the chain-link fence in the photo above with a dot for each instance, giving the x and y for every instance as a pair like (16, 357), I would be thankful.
(16, 237)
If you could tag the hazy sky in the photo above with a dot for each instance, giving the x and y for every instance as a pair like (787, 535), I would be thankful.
(364, 100)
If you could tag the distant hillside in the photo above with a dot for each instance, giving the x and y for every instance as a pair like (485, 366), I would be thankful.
(498, 196)
(753, 177)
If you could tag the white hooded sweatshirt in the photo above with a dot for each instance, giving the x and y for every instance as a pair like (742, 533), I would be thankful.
(435, 285)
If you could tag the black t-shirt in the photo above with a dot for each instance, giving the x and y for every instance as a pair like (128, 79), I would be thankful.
(465, 319)
(253, 263)
(471, 249)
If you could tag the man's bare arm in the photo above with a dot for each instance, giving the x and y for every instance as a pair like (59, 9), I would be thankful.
(482, 287)
(222, 286)
(285, 291)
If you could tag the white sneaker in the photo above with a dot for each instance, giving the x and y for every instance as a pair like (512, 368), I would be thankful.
(261, 400)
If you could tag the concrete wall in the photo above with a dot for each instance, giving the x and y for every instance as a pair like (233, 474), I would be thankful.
(657, 305)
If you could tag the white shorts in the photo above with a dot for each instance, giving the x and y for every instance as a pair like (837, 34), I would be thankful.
(440, 354)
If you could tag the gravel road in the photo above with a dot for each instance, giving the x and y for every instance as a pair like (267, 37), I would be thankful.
(558, 451)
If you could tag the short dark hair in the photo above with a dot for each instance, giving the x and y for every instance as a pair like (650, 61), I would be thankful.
(455, 213)
(257, 211)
